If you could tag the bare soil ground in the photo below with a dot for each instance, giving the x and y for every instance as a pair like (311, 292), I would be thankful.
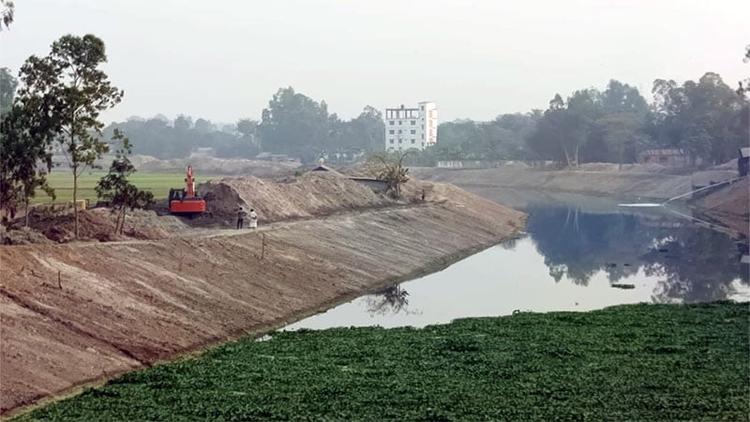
(633, 180)
(729, 206)
(591, 180)
(312, 194)
(75, 313)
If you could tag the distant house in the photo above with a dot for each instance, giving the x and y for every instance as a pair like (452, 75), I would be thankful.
(669, 157)
(743, 161)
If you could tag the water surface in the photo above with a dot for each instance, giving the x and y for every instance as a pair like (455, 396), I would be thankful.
(574, 258)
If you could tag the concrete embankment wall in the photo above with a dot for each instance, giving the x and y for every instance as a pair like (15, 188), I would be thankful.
(73, 314)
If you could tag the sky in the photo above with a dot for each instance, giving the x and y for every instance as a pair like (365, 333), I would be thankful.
(224, 59)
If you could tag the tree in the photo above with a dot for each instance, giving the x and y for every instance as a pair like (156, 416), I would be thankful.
(79, 90)
(744, 90)
(8, 85)
(563, 130)
(621, 133)
(24, 141)
(296, 125)
(7, 10)
(115, 187)
(389, 167)
(704, 118)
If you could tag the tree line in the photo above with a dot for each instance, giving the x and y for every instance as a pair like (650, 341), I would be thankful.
(706, 119)
(292, 124)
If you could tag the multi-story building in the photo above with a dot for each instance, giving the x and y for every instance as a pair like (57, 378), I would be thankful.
(407, 128)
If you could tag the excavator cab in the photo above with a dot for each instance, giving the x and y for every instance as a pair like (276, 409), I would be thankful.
(186, 201)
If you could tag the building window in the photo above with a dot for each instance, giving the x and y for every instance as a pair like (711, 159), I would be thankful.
(399, 131)
(413, 141)
(423, 136)
(399, 141)
(391, 140)
(391, 123)
(413, 131)
(391, 131)
(399, 122)
(413, 122)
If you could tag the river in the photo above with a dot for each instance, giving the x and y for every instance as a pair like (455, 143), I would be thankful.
(579, 253)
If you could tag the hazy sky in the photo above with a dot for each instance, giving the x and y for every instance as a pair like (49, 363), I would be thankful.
(224, 59)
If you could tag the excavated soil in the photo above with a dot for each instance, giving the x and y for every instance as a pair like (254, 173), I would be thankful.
(75, 313)
(99, 225)
(313, 194)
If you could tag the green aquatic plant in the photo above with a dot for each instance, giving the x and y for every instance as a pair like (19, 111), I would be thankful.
(633, 362)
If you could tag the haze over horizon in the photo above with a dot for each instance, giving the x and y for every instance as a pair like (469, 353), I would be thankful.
(224, 60)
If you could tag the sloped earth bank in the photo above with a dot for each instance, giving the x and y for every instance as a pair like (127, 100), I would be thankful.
(312, 194)
(729, 206)
(591, 182)
(78, 313)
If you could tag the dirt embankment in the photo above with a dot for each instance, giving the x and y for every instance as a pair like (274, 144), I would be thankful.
(312, 194)
(729, 206)
(74, 313)
(588, 181)
(58, 226)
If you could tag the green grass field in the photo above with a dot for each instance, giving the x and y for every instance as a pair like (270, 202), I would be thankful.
(62, 182)
(633, 362)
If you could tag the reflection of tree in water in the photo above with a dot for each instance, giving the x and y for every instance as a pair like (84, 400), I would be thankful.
(698, 264)
(389, 300)
(578, 244)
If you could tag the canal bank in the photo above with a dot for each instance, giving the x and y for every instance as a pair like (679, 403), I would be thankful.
(76, 314)
(728, 206)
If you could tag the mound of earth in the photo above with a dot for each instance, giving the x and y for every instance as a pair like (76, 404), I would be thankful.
(312, 194)
(21, 236)
(99, 224)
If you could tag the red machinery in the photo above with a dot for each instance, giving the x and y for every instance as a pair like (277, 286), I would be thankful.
(186, 201)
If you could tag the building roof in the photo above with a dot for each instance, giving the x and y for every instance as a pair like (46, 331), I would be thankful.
(662, 151)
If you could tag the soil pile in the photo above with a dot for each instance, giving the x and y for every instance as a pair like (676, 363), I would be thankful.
(312, 194)
(99, 225)
(79, 312)
(21, 236)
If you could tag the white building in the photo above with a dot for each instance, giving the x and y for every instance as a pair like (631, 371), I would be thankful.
(407, 128)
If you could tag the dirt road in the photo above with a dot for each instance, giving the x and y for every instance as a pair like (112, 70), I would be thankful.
(76, 313)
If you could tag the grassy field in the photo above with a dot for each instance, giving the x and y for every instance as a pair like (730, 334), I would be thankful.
(635, 362)
(62, 182)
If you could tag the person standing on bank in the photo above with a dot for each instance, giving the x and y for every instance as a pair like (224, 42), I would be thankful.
(241, 215)
(253, 219)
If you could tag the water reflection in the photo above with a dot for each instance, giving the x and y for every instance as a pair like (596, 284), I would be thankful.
(390, 300)
(571, 259)
(694, 264)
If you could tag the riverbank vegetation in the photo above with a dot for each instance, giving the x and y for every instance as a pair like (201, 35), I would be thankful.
(634, 362)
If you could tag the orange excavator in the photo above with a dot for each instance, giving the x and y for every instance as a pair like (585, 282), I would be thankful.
(186, 201)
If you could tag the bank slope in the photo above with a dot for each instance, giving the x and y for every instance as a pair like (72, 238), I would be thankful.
(80, 312)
